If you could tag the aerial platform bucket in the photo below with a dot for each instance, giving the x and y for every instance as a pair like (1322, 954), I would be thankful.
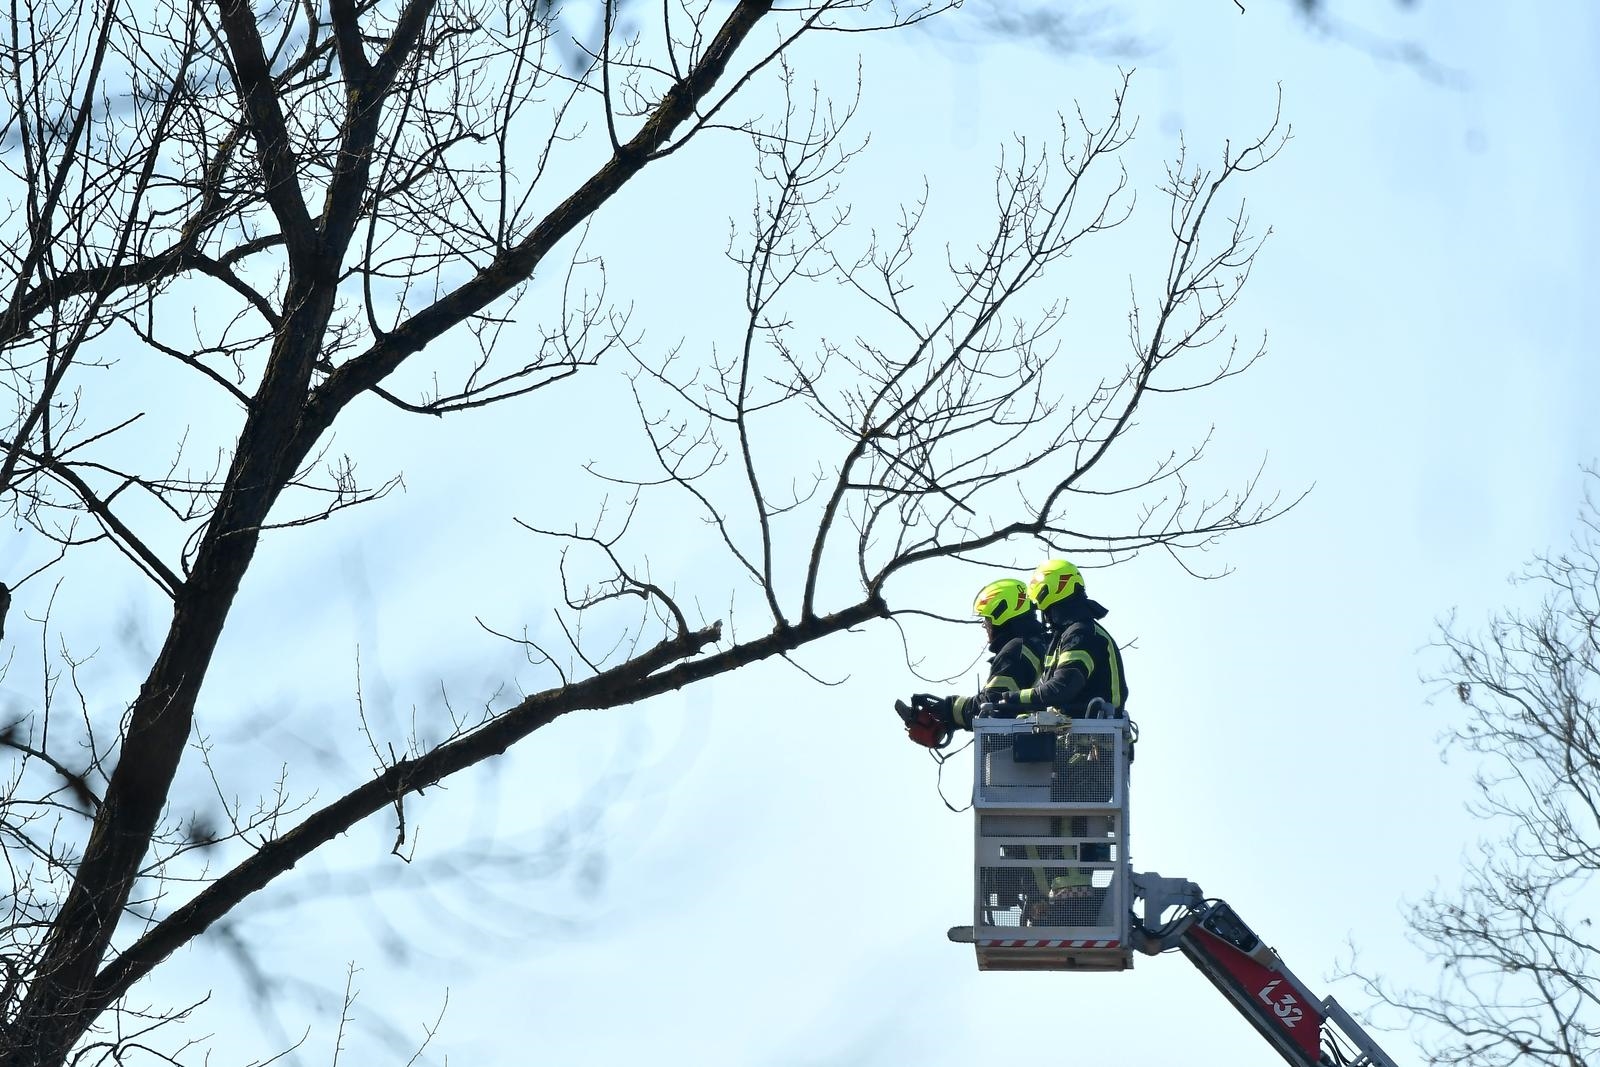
(1052, 882)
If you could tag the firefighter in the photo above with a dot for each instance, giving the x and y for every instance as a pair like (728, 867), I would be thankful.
(1082, 662)
(1016, 645)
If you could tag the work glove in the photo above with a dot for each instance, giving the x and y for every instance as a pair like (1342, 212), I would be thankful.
(1008, 706)
(941, 708)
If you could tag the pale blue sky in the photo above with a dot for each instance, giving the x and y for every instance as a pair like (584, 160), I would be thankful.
(771, 873)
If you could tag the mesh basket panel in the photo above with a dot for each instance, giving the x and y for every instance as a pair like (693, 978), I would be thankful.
(1083, 770)
(1037, 852)
(1046, 895)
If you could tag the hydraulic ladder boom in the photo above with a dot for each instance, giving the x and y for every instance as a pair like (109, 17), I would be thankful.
(1305, 1030)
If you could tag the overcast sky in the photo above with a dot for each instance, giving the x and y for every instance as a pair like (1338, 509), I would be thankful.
(759, 870)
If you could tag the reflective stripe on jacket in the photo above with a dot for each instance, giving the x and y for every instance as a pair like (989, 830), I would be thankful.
(1082, 663)
(1017, 665)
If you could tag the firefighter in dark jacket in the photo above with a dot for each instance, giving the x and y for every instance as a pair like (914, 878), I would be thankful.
(1082, 661)
(1016, 652)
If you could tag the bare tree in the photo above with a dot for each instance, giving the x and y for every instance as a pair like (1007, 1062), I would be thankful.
(300, 205)
(1098, 29)
(1520, 965)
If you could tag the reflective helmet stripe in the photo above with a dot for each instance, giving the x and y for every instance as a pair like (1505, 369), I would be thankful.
(1052, 581)
(1002, 600)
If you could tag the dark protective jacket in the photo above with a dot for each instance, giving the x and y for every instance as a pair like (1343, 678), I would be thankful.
(1081, 663)
(1017, 655)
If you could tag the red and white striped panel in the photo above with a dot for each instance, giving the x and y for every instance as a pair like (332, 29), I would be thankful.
(996, 943)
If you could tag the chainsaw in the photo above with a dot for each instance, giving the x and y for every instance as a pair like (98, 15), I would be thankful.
(922, 725)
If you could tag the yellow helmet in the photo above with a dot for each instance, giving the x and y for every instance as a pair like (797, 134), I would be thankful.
(1002, 600)
(1052, 582)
